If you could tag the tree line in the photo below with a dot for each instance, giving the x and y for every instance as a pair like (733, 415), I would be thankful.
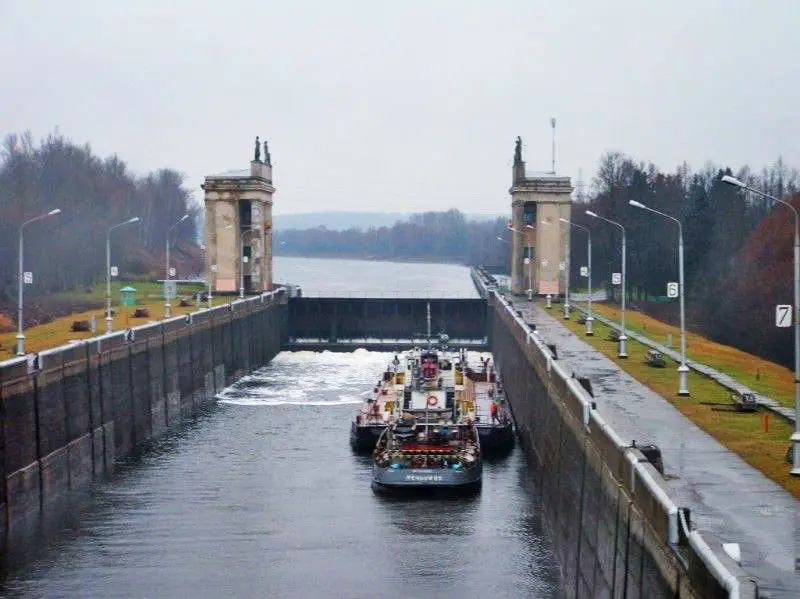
(429, 236)
(67, 251)
(737, 246)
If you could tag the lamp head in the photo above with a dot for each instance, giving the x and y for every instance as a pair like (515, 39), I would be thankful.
(52, 212)
(563, 220)
(183, 218)
(636, 204)
(135, 219)
(530, 227)
(733, 181)
(590, 213)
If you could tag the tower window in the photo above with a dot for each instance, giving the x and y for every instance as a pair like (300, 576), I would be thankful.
(529, 215)
(245, 213)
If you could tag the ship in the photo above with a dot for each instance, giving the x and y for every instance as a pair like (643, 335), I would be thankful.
(427, 452)
(483, 397)
(442, 381)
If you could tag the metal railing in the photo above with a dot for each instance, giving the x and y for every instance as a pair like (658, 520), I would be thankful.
(367, 294)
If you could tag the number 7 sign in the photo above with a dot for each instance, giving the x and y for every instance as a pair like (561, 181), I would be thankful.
(783, 315)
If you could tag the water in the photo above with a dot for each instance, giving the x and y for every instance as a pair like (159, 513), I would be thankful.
(329, 277)
(260, 496)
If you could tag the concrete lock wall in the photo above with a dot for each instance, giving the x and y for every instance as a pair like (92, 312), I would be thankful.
(70, 412)
(616, 532)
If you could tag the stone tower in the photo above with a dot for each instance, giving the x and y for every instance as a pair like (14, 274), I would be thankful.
(239, 227)
(538, 201)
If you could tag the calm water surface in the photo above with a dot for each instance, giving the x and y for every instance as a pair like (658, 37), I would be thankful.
(260, 496)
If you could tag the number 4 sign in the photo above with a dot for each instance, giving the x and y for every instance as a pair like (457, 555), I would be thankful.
(783, 315)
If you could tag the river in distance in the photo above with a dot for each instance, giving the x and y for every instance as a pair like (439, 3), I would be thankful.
(260, 495)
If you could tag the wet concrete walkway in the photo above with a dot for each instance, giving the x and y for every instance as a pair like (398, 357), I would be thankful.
(727, 497)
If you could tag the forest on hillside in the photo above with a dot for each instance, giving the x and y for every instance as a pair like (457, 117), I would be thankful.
(67, 251)
(429, 236)
(737, 246)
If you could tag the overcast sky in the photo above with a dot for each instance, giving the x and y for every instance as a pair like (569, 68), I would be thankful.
(405, 106)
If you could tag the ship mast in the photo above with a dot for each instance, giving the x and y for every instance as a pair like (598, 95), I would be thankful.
(429, 323)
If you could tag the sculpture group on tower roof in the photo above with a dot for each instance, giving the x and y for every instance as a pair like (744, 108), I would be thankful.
(518, 150)
(267, 157)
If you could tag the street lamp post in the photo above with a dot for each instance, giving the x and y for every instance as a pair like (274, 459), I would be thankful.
(207, 276)
(242, 259)
(623, 337)
(566, 276)
(109, 320)
(241, 263)
(530, 259)
(589, 319)
(530, 266)
(167, 305)
(795, 438)
(683, 369)
(20, 325)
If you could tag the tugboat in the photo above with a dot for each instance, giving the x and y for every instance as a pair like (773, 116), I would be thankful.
(484, 399)
(427, 453)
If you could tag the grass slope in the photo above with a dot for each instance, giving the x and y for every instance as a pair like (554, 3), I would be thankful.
(57, 332)
(709, 405)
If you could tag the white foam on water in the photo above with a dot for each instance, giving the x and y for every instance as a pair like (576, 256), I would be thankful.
(252, 401)
(310, 379)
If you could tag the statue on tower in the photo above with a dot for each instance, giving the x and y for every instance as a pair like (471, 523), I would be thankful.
(518, 150)
(258, 150)
(267, 157)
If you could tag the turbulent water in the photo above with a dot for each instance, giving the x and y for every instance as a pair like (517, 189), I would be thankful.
(260, 496)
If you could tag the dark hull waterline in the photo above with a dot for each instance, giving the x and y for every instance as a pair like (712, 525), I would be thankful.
(413, 481)
(495, 440)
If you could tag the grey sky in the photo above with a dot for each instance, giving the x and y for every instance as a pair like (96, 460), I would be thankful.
(399, 106)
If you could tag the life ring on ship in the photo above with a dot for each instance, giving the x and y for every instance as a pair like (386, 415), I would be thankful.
(432, 400)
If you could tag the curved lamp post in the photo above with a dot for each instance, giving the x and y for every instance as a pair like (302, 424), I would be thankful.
(566, 273)
(623, 337)
(530, 259)
(167, 305)
(795, 438)
(21, 282)
(589, 319)
(242, 258)
(683, 369)
(109, 320)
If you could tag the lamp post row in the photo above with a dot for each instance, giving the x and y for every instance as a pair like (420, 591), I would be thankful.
(795, 438)
(20, 349)
(683, 369)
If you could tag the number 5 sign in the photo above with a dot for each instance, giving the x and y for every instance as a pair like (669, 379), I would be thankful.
(783, 315)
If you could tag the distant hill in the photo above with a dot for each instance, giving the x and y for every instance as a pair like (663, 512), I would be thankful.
(340, 221)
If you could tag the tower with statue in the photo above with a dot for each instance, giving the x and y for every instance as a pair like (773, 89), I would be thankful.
(238, 227)
(540, 241)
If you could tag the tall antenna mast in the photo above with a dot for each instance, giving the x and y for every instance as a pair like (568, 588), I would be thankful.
(553, 125)
(429, 322)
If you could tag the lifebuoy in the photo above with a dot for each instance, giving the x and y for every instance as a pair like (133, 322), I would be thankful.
(432, 400)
